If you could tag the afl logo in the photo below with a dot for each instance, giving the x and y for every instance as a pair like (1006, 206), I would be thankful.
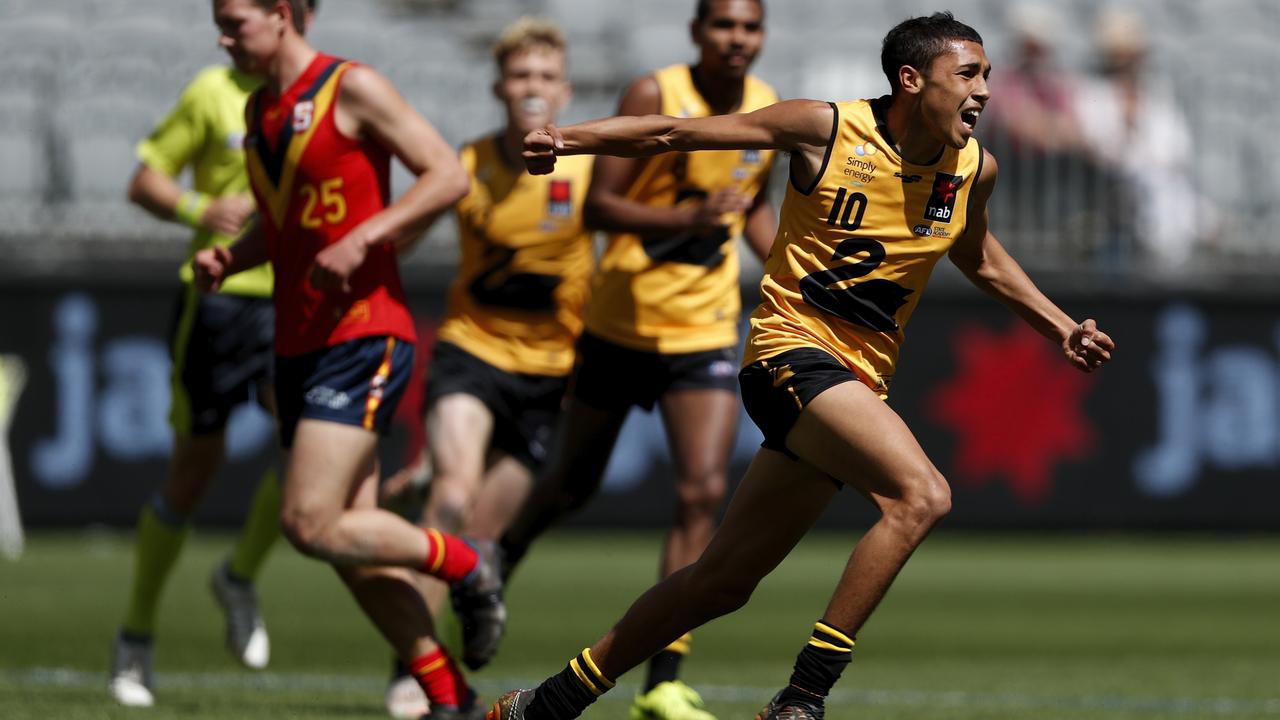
(302, 113)
(922, 230)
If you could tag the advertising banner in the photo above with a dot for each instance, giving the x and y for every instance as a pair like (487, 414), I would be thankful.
(1181, 431)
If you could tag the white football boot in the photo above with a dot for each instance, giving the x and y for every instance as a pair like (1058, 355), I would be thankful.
(405, 698)
(131, 663)
(246, 634)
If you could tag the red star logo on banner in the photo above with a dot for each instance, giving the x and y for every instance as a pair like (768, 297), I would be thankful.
(1016, 408)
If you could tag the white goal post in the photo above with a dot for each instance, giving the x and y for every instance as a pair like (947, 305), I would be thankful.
(13, 378)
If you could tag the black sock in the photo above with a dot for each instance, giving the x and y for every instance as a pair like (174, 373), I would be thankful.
(665, 666)
(819, 664)
(566, 694)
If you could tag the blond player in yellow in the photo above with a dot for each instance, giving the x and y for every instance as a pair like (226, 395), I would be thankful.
(662, 322)
(505, 347)
(879, 191)
(222, 356)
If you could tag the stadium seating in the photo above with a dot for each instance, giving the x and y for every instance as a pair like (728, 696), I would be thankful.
(86, 78)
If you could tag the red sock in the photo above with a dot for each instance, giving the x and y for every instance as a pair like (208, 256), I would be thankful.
(440, 679)
(449, 558)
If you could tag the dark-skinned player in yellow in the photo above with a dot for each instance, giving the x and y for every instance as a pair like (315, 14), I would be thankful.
(858, 237)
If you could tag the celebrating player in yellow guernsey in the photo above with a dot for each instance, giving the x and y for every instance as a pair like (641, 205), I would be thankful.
(879, 191)
(506, 345)
(662, 322)
(221, 346)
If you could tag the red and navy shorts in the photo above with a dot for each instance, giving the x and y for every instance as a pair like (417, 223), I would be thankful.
(358, 382)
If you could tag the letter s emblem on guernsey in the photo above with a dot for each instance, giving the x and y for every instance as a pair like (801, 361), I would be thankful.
(302, 113)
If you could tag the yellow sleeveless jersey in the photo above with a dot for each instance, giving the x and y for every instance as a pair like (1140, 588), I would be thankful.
(205, 130)
(526, 263)
(679, 294)
(855, 250)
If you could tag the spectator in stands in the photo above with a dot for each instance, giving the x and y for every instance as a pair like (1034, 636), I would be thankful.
(1132, 125)
(1033, 101)
(1033, 129)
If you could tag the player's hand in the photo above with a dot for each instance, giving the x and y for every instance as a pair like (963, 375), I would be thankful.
(228, 215)
(712, 212)
(210, 267)
(335, 264)
(540, 150)
(1087, 347)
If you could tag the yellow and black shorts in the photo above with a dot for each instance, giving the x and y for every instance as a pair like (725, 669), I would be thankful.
(775, 390)
(612, 377)
(221, 347)
(524, 407)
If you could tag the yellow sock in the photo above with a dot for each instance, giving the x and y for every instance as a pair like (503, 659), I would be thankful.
(156, 549)
(261, 528)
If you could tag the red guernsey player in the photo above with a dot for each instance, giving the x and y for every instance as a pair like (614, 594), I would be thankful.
(321, 134)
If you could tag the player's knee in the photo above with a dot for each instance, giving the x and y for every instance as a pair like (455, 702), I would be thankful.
(702, 495)
(305, 533)
(924, 502)
(449, 505)
(715, 594)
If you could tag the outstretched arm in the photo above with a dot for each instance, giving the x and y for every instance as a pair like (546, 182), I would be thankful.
(369, 106)
(791, 125)
(981, 257)
(607, 206)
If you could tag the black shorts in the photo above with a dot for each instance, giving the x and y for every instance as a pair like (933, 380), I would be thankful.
(774, 391)
(358, 382)
(612, 377)
(221, 351)
(524, 407)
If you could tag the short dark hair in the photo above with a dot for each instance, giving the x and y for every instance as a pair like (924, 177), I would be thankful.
(297, 6)
(917, 41)
(704, 9)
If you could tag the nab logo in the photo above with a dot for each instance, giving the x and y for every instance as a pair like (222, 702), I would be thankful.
(908, 178)
(942, 201)
(559, 199)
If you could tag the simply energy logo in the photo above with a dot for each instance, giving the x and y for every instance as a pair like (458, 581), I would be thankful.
(860, 166)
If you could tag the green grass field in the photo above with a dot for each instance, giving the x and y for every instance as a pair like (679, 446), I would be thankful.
(976, 627)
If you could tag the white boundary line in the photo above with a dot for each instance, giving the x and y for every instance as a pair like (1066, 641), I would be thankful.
(311, 683)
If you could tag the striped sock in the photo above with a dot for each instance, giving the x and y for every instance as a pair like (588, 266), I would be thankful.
(566, 694)
(820, 663)
(441, 680)
(665, 666)
(449, 557)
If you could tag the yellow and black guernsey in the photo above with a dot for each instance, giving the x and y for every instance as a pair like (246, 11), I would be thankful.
(856, 248)
(679, 293)
(526, 263)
